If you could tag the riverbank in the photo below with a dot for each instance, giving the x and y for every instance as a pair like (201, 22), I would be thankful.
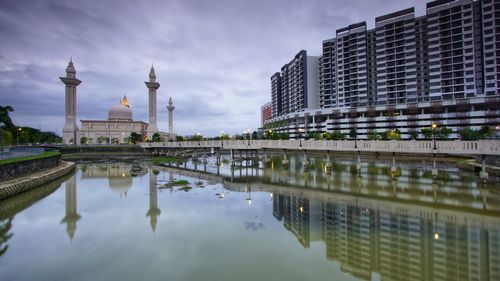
(19, 185)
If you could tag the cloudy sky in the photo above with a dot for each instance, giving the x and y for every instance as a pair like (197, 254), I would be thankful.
(213, 57)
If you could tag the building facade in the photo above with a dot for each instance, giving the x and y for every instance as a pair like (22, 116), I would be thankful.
(266, 112)
(119, 125)
(406, 73)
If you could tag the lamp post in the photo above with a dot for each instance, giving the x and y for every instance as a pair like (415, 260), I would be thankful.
(18, 131)
(434, 126)
(300, 136)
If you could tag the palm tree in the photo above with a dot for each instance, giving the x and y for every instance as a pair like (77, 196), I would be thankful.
(4, 116)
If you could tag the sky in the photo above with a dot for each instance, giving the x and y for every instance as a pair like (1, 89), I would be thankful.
(213, 57)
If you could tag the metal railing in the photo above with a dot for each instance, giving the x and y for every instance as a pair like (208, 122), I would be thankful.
(481, 147)
(16, 152)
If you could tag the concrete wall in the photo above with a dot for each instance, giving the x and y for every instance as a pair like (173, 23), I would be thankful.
(22, 168)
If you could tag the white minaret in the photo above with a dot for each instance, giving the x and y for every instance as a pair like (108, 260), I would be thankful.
(170, 109)
(152, 87)
(70, 128)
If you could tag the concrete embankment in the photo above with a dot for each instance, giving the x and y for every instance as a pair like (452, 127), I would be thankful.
(18, 185)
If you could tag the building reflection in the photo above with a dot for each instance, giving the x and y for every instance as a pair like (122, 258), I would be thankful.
(394, 242)
(72, 215)
(153, 211)
(119, 175)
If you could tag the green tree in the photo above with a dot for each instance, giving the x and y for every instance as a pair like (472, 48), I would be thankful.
(283, 136)
(413, 135)
(197, 137)
(83, 140)
(445, 133)
(373, 136)
(179, 138)
(468, 134)
(485, 132)
(394, 134)
(6, 137)
(156, 137)
(5, 120)
(353, 133)
(255, 136)
(427, 133)
(134, 138)
(336, 135)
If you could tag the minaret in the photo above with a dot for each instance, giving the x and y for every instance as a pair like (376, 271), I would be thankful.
(170, 109)
(70, 128)
(72, 215)
(153, 211)
(152, 87)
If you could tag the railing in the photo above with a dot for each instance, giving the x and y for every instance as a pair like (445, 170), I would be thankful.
(16, 152)
(482, 147)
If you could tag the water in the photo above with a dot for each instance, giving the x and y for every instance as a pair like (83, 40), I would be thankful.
(121, 221)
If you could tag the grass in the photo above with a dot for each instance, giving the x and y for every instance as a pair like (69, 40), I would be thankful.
(21, 159)
(161, 160)
(180, 182)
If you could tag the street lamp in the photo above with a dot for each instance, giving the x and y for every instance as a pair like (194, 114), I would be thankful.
(434, 126)
(18, 131)
(300, 136)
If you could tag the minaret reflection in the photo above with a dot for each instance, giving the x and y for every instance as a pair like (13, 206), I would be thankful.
(72, 215)
(153, 211)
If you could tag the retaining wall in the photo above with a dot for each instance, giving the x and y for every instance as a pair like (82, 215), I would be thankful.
(26, 167)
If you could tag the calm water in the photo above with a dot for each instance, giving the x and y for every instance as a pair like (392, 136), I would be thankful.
(121, 221)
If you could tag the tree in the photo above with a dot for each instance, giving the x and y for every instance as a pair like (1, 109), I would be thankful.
(394, 134)
(353, 133)
(6, 137)
(445, 132)
(156, 137)
(413, 135)
(283, 136)
(336, 135)
(468, 134)
(83, 140)
(197, 137)
(373, 136)
(485, 132)
(179, 138)
(427, 132)
(115, 141)
(255, 135)
(134, 138)
(5, 120)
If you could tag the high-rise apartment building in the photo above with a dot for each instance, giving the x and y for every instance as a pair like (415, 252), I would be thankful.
(299, 84)
(407, 73)
(352, 70)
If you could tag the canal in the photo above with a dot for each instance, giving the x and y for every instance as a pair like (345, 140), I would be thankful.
(206, 221)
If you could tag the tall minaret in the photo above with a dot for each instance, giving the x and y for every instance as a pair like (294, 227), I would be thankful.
(70, 128)
(72, 215)
(170, 109)
(152, 87)
(153, 211)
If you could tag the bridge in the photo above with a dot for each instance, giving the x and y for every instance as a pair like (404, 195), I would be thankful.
(455, 147)
(481, 148)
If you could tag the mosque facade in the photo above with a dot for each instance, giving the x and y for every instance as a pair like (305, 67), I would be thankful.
(120, 123)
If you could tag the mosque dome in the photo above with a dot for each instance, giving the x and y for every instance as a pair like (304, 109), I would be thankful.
(120, 111)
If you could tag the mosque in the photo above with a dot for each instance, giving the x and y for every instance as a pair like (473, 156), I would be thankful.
(120, 123)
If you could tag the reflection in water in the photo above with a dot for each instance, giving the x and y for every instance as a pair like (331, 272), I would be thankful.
(397, 242)
(119, 175)
(375, 227)
(408, 228)
(5, 234)
(72, 215)
(153, 211)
